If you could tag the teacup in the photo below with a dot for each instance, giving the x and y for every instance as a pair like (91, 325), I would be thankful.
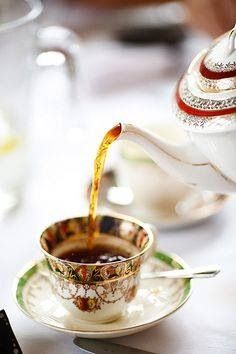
(96, 292)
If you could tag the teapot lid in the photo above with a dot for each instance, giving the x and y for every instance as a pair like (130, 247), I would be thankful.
(206, 94)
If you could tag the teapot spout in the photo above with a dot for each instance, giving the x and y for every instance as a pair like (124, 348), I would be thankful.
(183, 161)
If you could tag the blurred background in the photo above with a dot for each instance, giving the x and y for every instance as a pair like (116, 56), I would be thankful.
(98, 63)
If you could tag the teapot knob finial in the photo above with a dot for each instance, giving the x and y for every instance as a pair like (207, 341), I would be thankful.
(231, 41)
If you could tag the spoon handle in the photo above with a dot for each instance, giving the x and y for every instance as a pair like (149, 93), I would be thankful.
(199, 272)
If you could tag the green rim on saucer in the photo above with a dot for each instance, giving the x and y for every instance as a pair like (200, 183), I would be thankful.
(156, 299)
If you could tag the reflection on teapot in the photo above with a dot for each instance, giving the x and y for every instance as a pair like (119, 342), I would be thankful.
(205, 106)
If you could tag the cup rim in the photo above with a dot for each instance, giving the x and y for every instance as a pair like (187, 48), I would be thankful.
(145, 226)
(36, 8)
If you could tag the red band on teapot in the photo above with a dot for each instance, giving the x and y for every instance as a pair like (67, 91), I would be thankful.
(200, 112)
(215, 75)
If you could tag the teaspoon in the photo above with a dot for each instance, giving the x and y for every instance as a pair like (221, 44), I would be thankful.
(199, 272)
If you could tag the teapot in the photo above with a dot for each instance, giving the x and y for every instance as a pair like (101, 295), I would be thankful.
(205, 107)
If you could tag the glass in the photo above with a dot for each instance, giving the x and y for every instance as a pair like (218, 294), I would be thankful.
(21, 42)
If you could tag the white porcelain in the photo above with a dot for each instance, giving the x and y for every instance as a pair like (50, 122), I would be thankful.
(205, 107)
(136, 167)
(155, 300)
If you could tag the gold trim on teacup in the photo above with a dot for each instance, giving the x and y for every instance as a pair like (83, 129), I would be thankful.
(99, 282)
(122, 217)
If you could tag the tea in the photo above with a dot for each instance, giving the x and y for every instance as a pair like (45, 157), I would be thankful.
(98, 254)
(108, 139)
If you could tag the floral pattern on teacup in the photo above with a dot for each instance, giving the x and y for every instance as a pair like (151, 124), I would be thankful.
(90, 298)
(86, 273)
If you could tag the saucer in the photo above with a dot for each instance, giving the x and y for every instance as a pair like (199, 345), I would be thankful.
(155, 300)
(208, 204)
(200, 206)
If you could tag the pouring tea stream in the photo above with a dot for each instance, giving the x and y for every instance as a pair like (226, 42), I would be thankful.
(205, 107)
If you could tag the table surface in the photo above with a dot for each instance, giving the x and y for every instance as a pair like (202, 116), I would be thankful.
(123, 82)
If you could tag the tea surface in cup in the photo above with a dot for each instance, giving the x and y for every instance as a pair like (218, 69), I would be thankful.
(97, 254)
